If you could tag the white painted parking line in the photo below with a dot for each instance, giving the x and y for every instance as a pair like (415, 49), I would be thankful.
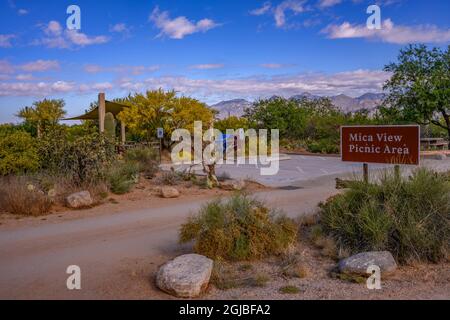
(300, 170)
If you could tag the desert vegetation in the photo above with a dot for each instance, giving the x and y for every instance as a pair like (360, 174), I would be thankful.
(240, 228)
(407, 216)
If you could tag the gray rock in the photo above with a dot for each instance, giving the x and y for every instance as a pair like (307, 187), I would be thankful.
(185, 277)
(79, 200)
(439, 156)
(239, 185)
(169, 192)
(359, 263)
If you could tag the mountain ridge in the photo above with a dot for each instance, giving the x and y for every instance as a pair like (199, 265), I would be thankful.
(369, 101)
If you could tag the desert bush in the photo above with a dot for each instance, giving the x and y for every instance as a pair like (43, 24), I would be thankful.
(122, 176)
(407, 216)
(146, 158)
(240, 228)
(84, 159)
(18, 153)
(324, 146)
(170, 178)
(18, 195)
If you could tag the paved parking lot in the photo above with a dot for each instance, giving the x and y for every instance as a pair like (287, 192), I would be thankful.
(297, 170)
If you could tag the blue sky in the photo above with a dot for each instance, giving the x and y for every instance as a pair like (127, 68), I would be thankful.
(211, 50)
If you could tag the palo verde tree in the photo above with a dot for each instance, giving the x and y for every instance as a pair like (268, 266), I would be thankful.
(43, 115)
(419, 89)
(161, 109)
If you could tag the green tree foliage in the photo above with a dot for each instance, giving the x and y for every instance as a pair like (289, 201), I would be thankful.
(315, 123)
(231, 123)
(161, 109)
(419, 89)
(43, 115)
(18, 153)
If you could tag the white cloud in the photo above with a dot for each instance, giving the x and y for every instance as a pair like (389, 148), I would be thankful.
(279, 12)
(328, 3)
(42, 89)
(121, 28)
(353, 83)
(207, 66)
(53, 28)
(179, 27)
(6, 67)
(22, 12)
(56, 37)
(103, 86)
(40, 65)
(122, 69)
(260, 11)
(25, 77)
(82, 39)
(390, 33)
(5, 40)
(296, 6)
(274, 65)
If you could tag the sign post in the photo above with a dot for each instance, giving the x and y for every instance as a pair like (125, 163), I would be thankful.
(399, 145)
(160, 135)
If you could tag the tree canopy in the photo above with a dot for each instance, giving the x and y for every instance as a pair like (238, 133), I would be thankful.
(161, 109)
(43, 114)
(419, 89)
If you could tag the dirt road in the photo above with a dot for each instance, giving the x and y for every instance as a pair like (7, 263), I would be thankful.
(118, 253)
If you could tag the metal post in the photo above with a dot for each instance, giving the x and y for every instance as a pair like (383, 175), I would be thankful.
(397, 172)
(160, 151)
(366, 172)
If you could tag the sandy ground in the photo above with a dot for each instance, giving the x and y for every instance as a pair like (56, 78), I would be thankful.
(121, 244)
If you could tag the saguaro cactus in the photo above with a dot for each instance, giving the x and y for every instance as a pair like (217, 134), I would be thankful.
(110, 126)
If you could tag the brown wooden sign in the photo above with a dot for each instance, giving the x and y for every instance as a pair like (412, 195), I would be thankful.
(381, 144)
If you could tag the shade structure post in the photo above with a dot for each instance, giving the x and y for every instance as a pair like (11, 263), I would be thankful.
(101, 111)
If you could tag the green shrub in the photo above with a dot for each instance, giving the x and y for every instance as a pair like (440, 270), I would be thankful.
(20, 196)
(324, 146)
(84, 159)
(18, 153)
(240, 228)
(147, 159)
(122, 176)
(409, 217)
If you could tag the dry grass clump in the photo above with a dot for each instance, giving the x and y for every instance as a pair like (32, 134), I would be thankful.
(292, 267)
(289, 290)
(19, 196)
(406, 216)
(226, 276)
(240, 228)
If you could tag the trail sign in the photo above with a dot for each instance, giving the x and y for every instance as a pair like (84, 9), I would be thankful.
(381, 144)
(160, 133)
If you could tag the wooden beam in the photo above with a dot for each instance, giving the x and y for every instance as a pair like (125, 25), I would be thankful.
(101, 111)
